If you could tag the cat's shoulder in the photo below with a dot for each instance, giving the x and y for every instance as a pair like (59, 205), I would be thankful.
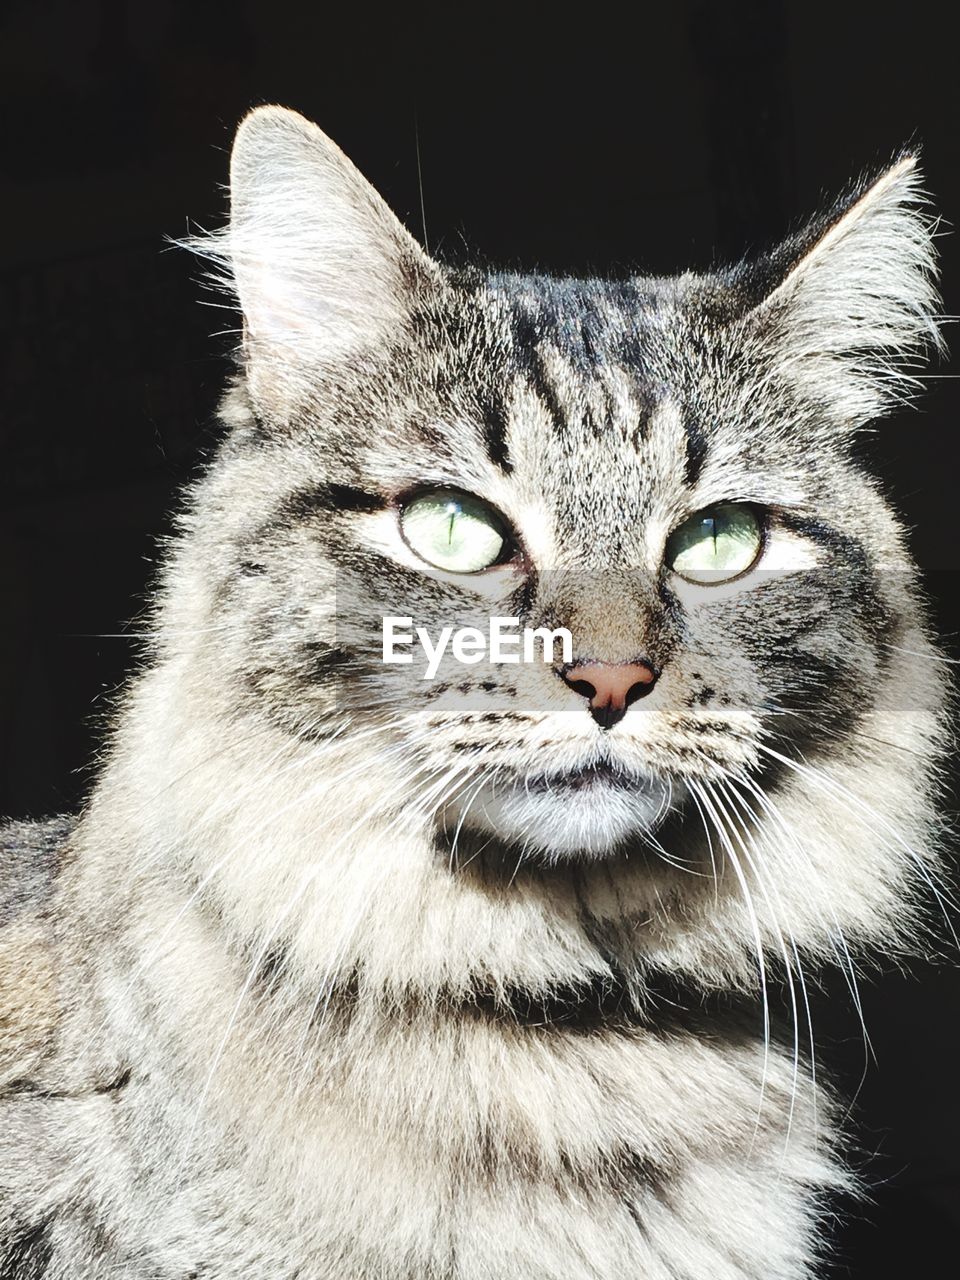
(31, 857)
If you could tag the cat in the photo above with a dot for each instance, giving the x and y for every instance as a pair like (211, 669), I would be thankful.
(346, 972)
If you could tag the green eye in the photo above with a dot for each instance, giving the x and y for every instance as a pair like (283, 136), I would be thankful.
(453, 531)
(715, 545)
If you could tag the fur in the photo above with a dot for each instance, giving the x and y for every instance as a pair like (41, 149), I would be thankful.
(338, 974)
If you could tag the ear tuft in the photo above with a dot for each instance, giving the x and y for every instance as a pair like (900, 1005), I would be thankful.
(319, 264)
(855, 296)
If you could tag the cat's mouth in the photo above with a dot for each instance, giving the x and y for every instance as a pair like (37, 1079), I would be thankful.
(589, 777)
(589, 810)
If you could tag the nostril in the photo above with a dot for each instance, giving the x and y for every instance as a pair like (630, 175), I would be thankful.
(583, 687)
(639, 690)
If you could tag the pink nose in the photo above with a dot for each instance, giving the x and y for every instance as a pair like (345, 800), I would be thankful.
(610, 687)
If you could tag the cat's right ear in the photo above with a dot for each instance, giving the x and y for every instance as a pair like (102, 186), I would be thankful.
(321, 266)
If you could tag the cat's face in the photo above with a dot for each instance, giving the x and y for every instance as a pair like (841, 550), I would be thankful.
(659, 466)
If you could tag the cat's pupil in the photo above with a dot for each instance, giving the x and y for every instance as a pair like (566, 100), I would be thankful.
(454, 512)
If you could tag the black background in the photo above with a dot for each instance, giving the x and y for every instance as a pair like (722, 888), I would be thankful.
(657, 136)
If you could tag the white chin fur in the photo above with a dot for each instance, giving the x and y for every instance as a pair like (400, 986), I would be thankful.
(565, 822)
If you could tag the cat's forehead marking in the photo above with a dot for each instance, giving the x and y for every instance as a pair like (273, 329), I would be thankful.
(597, 357)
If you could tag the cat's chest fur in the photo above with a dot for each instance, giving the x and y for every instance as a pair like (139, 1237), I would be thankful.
(462, 1143)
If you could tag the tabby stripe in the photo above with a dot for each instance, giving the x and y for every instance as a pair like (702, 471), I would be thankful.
(495, 435)
(696, 440)
(526, 337)
(825, 535)
(547, 393)
(326, 662)
(29, 1256)
(328, 499)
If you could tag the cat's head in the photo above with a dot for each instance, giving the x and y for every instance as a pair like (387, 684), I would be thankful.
(661, 466)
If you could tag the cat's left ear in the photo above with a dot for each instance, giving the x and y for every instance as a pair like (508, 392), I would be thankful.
(322, 269)
(852, 298)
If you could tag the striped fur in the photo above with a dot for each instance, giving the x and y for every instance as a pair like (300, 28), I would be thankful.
(339, 974)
